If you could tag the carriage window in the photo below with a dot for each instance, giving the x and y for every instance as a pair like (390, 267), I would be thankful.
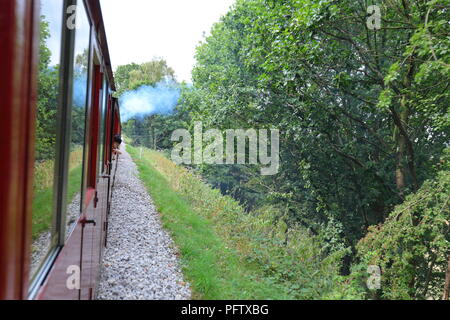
(108, 142)
(94, 123)
(45, 153)
(80, 93)
(104, 105)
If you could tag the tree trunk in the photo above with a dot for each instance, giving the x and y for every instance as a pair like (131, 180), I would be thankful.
(400, 170)
(405, 147)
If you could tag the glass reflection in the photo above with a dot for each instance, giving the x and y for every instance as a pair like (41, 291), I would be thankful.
(103, 108)
(80, 92)
(46, 114)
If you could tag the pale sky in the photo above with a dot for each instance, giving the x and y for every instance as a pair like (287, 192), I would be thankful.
(138, 30)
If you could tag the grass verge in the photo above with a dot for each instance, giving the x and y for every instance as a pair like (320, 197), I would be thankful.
(214, 270)
(227, 253)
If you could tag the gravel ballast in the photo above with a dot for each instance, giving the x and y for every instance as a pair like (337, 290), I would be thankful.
(140, 261)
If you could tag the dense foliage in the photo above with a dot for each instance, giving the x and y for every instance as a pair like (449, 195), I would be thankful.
(364, 119)
(350, 102)
(412, 246)
(131, 76)
(47, 101)
(363, 113)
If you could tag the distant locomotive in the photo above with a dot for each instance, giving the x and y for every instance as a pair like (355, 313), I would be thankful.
(58, 118)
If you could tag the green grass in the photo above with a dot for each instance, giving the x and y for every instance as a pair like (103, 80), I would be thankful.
(214, 269)
(43, 202)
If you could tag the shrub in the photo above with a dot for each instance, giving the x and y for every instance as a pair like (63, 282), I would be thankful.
(412, 246)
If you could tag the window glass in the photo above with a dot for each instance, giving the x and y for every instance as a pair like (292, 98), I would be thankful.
(103, 106)
(80, 92)
(46, 127)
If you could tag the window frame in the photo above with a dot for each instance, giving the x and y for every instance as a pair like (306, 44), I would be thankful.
(63, 142)
(92, 137)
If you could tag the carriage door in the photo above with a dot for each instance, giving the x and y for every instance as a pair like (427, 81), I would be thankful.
(92, 216)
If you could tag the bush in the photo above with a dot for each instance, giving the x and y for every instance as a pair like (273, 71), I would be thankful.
(412, 246)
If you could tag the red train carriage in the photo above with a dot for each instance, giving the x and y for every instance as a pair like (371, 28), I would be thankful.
(57, 122)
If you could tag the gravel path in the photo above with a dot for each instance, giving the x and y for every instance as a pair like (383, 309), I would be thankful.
(140, 262)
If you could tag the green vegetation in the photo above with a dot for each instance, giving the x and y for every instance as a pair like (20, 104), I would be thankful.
(412, 245)
(132, 76)
(47, 99)
(365, 125)
(228, 254)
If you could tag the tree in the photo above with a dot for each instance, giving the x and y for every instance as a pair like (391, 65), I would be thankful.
(47, 99)
(131, 76)
(412, 246)
(363, 115)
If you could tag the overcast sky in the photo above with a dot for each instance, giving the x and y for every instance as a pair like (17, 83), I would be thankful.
(139, 30)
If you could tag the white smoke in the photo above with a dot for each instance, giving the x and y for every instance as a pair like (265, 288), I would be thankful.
(148, 100)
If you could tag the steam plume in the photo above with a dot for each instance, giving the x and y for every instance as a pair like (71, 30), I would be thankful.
(148, 100)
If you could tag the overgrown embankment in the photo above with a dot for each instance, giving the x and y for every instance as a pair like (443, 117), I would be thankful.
(227, 253)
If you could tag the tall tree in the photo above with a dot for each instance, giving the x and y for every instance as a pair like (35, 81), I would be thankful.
(131, 76)
(355, 105)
